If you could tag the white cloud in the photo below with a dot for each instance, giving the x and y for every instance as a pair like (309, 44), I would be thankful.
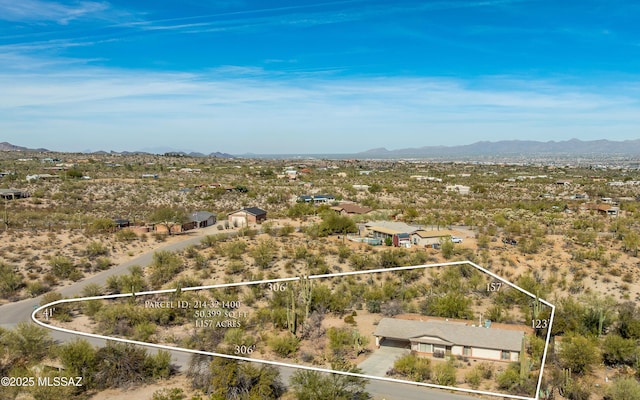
(37, 10)
(234, 108)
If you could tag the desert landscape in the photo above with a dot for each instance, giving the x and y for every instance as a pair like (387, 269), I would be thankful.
(565, 233)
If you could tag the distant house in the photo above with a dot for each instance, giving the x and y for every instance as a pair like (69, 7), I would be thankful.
(121, 223)
(13, 194)
(602, 209)
(202, 219)
(40, 176)
(398, 232)
(351, 209)
(462, 189)
(323, 198)
(440, 338)
(316, 198)
(360, 187)
(429, 238)
(246, 216)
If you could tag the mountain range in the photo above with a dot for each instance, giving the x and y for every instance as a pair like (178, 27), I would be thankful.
(510, 148)
(573, 147)
(6, 146)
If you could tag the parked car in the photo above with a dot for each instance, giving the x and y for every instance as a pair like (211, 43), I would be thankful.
(456, 239)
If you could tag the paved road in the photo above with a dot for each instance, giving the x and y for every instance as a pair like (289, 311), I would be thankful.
(12, 313)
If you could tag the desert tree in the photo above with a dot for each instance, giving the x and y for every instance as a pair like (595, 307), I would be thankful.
(623, 389)
(164, 267)
(168, 217)
(579, 353)
(10, 280)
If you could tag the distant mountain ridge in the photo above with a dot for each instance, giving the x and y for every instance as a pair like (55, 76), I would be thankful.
(573, 147)
(6, 146)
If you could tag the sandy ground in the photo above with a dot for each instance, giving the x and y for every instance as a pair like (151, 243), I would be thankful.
(145, 392)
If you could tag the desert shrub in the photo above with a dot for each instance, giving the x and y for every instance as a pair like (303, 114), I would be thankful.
(126, 235)
(62, 267)
(284, 346)
(37, 288)
(144, 331)
(286, 230)
(10, 280)
(103, 263)
(101, 225)
(444, 373)
(96, 249)
(413, 367)
(164, 267)
(123, 365)
(168, 394)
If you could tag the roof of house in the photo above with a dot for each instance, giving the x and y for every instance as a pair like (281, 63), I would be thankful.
(453, 333)
(200, 216)
(351, 208)
(391, 227)
(9, 192)
(251, 210)
(384, 230)
(429, 234)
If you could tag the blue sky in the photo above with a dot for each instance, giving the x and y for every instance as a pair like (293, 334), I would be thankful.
(306, 76)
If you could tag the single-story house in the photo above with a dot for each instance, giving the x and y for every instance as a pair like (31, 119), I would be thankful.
(202, 219)
(246, 216)
(13, 194)
(41, 176)
(429, 238)
(121, 223)
(462, 189)
(316, 198)
(351, 209)
(439, 339)
(398, 232)
(603, 209)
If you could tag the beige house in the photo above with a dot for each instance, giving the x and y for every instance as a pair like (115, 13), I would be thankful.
(439, 339)
(429, 238)
(351, 209)
(246, 216)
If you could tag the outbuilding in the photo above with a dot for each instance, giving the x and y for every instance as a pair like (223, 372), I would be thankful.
(246, 216)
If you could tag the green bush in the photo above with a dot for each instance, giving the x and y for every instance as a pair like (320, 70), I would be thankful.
(413, 367)
(284, 346)
(126, 235)
(95, 249)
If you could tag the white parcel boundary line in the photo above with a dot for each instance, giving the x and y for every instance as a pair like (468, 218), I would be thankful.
(287, 365)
